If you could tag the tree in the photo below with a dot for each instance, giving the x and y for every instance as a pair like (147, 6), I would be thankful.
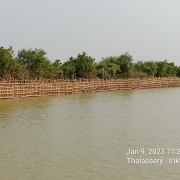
(138, 70)
(108, 68)
(68, 69)
(9, 66)
(5, 61)
(150, 68)
(126, 65)
(166, 69)
(36, 62)
(178, 71)
(172, 69)
(82, 66)
(56, 69)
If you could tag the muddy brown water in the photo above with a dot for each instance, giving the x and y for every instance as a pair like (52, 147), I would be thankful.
(87, 136)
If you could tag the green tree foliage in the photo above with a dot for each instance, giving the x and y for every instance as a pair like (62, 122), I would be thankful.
(108, 68)
(33, 63)
(126, 64)
(178, 72)
(56, 69)
(9, 66)
(6, 58)
(149, 67)
(82, 66)
(68, 69)
(166, 69)
(116, 66)
(138, 70)
(36, 62)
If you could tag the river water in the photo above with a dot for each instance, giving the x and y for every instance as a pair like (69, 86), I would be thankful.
(87, 136)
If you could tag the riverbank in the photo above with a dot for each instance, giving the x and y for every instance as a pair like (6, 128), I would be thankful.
(33, 88)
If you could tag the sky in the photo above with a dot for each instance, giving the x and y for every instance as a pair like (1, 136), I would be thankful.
(148, 29)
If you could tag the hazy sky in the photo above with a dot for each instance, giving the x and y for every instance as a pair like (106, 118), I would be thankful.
(147, 29)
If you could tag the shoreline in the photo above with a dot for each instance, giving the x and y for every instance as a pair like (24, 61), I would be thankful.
(37, 88)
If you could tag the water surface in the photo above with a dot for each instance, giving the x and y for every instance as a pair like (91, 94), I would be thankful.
(86, 136)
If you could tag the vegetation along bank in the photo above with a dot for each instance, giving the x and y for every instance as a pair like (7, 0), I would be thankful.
(30, 73)
(34, 64)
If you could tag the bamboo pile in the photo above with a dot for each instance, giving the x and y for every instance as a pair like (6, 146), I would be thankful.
(32, 88)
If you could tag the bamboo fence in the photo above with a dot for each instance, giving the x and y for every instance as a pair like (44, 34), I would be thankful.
(32, 88)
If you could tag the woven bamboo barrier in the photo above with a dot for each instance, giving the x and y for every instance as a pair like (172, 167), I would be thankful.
(33, 88)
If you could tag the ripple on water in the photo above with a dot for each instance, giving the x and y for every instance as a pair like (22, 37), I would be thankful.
(86, 136)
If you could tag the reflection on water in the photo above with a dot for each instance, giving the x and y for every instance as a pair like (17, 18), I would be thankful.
(86, 136)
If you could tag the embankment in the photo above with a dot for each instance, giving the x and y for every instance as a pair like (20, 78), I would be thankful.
(32, 88)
